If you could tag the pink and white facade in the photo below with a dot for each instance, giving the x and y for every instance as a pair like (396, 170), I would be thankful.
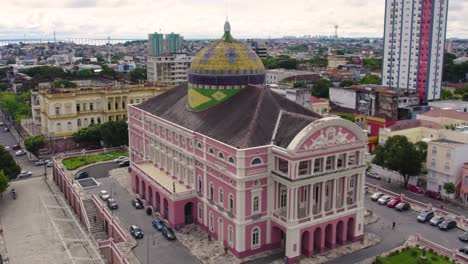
(306, 197)
(414, 40)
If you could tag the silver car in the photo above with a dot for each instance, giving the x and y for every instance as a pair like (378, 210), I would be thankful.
(376, 196)
(24, 174)
(384, 199)
(104, 195)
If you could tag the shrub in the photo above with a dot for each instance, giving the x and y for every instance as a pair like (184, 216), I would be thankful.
(434, 258)
(431, 250)
(414, 253)
(379, 260)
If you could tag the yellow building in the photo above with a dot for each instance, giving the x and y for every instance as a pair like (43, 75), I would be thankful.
(336, 60)
(61, 112)
(319, 105)
(421, 130)
(445, 117)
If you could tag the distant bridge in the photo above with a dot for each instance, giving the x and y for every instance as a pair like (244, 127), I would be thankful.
(80, 41)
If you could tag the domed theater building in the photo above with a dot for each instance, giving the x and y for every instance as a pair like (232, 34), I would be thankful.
(254, 170)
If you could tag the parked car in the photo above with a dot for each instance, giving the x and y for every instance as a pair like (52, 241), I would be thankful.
(168, 233)
(16, 147)
(81, 175)
(41, 162)
(393, 202)
(2, 124)
(463, 250)
(6, 129)
(136, 231)
(50, 164)
(112, 204)
(137, 203)
(463, 237)
(373, 175)
(384, 199)
(104, 195)
(402, 206)
(447, 225)
(376, 196)
(157, 223)
(436, 220)
(425, 216)
(433, 195)
(7, 148)
(120, 159)
(20, 153)
(415, 189)
(24, 174)
(124, 163)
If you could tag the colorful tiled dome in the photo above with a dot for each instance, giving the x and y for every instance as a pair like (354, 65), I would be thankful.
(220, 70)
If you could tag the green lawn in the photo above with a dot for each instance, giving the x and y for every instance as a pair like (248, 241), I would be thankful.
(76, 162)
(413, 256)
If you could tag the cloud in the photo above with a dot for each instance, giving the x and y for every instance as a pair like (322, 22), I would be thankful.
(204, 18)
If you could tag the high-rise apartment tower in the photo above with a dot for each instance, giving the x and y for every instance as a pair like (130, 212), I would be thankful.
(414, 39)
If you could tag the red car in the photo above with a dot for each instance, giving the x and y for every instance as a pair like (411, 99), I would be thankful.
(415, 189)
(393, 202)
(433, 195)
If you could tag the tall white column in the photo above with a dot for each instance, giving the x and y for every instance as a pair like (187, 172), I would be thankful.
(322, 194)
(311, 199)
(335, 192)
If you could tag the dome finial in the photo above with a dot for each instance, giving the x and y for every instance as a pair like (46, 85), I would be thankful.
(227, 26)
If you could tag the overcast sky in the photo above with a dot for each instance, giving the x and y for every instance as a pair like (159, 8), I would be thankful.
(203, 18)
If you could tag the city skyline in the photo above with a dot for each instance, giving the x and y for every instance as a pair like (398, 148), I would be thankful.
(202, 18)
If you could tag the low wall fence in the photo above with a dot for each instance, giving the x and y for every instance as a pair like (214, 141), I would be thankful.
(116, 254)
(453, 254)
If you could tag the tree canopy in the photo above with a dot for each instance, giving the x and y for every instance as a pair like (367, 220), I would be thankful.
(370, 79)
(400, 155)
(3, 182)
(321, 88)
(112, 133)
(8, 164)
(348, 117)
(453, 72)
(373, 64)
(16, 105)
(45, 73)
(138, 74)
(64, 84)
(34, 143)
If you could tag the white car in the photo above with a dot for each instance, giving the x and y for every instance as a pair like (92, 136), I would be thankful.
(24, 174)
(376, 196)
(384, 199)
(7, 147)
(104, 195)
(20, 153)
(120, 159)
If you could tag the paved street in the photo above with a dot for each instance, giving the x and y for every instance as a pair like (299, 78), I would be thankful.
(162, 250)
(39, 227)
(7, 139)
(406, 225)
(398, 188)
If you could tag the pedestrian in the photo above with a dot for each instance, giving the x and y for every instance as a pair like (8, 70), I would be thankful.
(442, 206)
(95, 218)
(393, 225)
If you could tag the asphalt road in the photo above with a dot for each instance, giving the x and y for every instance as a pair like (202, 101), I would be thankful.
(398, 188)
(160, 250)
(7, 139)
(406, 224)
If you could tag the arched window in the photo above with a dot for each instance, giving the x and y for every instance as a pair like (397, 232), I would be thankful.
(221, 196)
(211, 222)
(211, 191)
(256, 204)
(231, 160)
(230, 238)
(199, 145)
(221, 155)
(200, 213)
(255, 238)
(231, 203)
(69, 126)
(256, 161)
(211, 151)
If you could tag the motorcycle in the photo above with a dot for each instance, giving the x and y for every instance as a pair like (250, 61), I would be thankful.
(13, 194)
